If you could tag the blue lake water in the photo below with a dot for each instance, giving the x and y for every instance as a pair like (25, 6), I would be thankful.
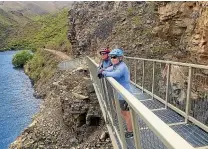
(17, 104)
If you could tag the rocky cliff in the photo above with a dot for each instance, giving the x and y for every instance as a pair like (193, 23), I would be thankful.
(174, 30)
(184, 25)
(116, 24)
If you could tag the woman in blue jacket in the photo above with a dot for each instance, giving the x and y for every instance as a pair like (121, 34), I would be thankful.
(105, 60)
(119, 71)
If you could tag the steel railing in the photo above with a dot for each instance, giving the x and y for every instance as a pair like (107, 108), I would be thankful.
(192, 79)
(149, 131)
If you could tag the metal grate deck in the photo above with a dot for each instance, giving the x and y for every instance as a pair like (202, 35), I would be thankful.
(169, 116)
(190, 132)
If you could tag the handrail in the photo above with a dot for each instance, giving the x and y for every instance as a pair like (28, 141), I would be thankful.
(170, 62)
(168, 136)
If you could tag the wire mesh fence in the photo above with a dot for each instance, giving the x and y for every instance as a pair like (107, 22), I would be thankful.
(199, 95)
(148, 138)
(160, 80)
(139, 72)
(178, 86)
(130, 64)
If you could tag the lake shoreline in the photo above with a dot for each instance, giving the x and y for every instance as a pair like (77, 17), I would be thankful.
(17, 95)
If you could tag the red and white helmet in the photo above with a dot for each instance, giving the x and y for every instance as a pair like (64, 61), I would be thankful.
(105, 50)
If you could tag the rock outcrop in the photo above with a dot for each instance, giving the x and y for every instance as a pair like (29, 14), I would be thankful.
(95, 25)
(184, 25)
(144, 29)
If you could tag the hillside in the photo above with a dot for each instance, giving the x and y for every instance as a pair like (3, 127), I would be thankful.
(48, 31)
(30, 8)
(16, 17)
(9, 22)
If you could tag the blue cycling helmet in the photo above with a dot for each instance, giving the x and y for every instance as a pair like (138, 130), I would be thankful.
(116, 52)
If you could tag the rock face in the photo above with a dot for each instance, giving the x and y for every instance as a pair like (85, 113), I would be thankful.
(184, 24)
(144, 29)
(199, 38)
(94, 25)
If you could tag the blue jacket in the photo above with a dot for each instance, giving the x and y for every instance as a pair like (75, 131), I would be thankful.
(120, 73)
(105, 63)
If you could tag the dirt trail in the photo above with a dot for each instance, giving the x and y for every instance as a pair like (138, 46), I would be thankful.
(60, 54)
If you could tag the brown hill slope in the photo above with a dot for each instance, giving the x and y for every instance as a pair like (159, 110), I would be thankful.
(30, 8)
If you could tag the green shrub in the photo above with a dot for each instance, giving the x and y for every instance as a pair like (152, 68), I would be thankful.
(20, 59)
(42, 66)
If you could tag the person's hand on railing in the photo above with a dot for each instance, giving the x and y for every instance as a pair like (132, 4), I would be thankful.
(100, 70)
(100, 75)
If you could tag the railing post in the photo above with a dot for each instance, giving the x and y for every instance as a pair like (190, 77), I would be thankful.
(103, 98)
(134, 120)
(188, 94)
(120, 121)
(64, 65)
(129, 66)
(153, 79)
(110, 103)
(167, 85)
(135, 71)
(101, 88)
(143, 75)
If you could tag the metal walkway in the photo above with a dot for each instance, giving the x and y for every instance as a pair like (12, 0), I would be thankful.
(157, 123)
(189, 131)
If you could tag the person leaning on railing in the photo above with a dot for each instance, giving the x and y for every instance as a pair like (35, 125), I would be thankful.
(119, 71)
(105, 61)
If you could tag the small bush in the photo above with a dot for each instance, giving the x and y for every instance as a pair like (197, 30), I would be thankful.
(20, 59)
(42, 66)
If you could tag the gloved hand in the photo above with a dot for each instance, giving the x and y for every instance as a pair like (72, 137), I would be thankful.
(100, 75)
(101, 70)
(104, 73)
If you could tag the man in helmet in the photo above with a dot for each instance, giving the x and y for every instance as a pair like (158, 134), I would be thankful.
(119, 71)
(105, 61)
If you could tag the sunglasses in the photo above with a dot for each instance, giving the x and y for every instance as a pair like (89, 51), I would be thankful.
(103, 53)
(113, 57)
